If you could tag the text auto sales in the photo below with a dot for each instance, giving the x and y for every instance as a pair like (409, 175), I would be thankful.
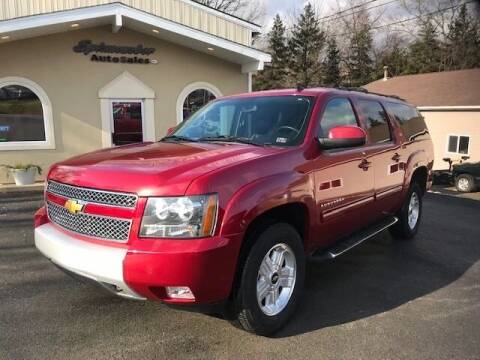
(87, 47)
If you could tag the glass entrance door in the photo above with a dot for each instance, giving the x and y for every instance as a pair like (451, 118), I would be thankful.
(127, 117)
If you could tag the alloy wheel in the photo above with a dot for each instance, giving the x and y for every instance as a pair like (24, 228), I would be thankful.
(276, 279)
(413, 210)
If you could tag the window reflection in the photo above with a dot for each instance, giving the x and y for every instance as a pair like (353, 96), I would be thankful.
(376, 121)
(21, 115)
(196, 100)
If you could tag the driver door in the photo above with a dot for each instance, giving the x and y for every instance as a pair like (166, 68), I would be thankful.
(344, 182)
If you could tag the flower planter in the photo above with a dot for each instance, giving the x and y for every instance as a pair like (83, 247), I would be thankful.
(24, 176)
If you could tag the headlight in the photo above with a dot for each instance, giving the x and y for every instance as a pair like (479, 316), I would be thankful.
(180, 217)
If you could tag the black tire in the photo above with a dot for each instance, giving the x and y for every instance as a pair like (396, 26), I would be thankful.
(465, 183)
(402, 229)
(249, 315)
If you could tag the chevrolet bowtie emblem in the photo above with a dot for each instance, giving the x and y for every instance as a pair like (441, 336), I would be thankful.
(74, 207)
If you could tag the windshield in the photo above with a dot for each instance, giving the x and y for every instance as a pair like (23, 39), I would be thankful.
(274, 120)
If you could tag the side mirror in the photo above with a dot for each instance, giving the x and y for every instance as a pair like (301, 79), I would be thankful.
(344, 137)
(170, 130)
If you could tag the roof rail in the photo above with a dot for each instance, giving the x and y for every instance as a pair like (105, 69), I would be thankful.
(390, 96)
(351, 88)
(365, 91)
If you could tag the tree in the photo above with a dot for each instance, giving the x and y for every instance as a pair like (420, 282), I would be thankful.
(305, 46)
(359, 61)
(396, 60)
(251, 10)
(275, 74)
(425, 52)
(331, 65)
(392, 54)
(463, 42)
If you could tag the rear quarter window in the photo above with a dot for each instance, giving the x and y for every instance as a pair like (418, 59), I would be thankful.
(410, 120)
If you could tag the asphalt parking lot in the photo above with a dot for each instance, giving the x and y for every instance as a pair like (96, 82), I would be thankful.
(383, 300)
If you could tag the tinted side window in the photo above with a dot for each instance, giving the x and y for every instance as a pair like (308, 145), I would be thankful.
(338, 112)
(376, 121)
(409, 119)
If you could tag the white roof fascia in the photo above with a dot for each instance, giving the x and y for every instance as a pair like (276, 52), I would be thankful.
(448, 108)
(117, 10)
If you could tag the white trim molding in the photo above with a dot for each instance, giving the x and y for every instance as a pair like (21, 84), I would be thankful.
(250, 82)
(118, 15)
(49, 142)
(200, 85)
(127, 87)
(117, 23)
(449, 108)
(253, 67)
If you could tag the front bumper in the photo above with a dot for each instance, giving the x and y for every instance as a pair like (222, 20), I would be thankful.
(101, 264)
(143, 269)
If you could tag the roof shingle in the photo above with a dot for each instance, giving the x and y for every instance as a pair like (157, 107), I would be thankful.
(449, 88)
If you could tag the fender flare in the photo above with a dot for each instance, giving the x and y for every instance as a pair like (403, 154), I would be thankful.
(417, 160)
(262, 195)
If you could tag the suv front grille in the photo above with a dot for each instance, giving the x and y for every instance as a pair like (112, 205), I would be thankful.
(93, 196)
(90, 225)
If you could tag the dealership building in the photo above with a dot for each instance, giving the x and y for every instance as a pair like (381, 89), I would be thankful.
(80, 75)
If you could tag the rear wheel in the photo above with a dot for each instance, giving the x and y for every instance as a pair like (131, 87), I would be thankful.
(465, 183)
(272, 280)
(410, 214)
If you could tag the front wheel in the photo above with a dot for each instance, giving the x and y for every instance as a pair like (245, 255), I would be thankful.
(272, 280)
(465, 183)
(409, 215)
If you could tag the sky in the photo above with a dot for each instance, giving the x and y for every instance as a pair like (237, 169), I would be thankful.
(289, 9)
(387, 15)
(383, 11)
(280, 6)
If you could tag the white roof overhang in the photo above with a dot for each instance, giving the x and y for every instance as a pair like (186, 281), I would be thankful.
(119, 15)
(449, 108)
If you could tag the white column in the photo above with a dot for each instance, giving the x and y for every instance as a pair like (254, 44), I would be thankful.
(149, 131)
(106, 123)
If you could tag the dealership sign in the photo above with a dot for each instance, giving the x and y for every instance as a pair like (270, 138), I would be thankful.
(115, 53)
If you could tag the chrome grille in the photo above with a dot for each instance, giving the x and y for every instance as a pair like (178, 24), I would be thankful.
(90, 225)
(92, 196)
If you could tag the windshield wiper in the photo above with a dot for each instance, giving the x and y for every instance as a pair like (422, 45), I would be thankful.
(178, 138)
(224, 138)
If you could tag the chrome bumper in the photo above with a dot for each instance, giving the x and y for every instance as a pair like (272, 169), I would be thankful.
(102, 264)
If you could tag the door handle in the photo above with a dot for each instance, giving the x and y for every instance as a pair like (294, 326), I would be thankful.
(396, 157)
(364, 165)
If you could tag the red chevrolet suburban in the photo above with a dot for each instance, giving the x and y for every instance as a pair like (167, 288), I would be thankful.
(229, 207)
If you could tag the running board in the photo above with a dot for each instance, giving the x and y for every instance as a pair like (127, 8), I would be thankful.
(350, 242)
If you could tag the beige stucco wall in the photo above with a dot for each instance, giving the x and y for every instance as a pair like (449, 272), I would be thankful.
(72, 83)
(441, 124)
(181, 11)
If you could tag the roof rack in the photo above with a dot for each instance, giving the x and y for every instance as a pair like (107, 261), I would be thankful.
(351, 88)
(365, 91)
(390, 96)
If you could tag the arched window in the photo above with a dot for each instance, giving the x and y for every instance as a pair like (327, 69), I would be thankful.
(195, 100)
(25, 116)
(193, 97)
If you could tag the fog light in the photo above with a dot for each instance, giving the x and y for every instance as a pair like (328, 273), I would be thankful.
(180, 292)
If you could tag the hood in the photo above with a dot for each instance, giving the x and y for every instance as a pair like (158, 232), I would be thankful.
(150, 169)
